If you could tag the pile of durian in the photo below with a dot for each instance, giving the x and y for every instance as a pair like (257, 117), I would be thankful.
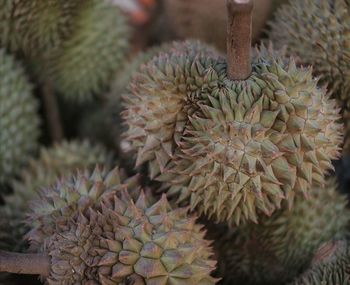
(171, 142)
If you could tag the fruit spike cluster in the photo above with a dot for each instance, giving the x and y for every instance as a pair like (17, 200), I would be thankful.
(77, 46)
(88, 229)
(331, 266)
(281, 246)
(231, 148)
(317, 32)
(19, 121)
(54, 162)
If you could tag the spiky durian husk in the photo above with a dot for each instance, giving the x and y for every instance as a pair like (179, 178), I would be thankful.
(88, 59)
(58, 203)
(231, 149)
(318, 33)
(52, 163)
(280, 247)
(333, 268)
(98, 234)
(19, 121)
(36, 26)
(206, 20)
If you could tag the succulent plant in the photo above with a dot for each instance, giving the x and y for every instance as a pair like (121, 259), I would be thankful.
(93, 53)
(90, 230)
(19, 120)
(53, 163)
(316, 31)
(195, 19)
(36, 26)
(231, 147)
(330, 266)
(283, 245)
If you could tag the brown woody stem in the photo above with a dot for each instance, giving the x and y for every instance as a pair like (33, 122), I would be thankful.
(52, 112)
(239, 38)
(23, 263)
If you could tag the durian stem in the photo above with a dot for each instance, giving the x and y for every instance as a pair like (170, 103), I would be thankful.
(52, 112)
(24, 263)
(239, 38)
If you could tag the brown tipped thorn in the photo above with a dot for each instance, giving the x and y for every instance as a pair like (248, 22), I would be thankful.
(239, 38)
(24, 263)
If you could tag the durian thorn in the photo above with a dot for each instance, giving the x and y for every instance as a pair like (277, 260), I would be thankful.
(24, 263)
(239, 38)
(52, 112)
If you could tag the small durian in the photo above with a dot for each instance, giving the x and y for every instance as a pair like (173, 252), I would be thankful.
(86, 62)
(283, 245)
(317, 32)
(19, 118)
(330, 266)
(89, 230)
(206, 20)
(51, 164)
(230, 138)
(36, 26)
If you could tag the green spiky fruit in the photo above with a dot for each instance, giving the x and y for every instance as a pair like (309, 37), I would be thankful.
(232, 149)
(96, 233)
(36, 26)
(330, 267)
(19, 120)
(95, 51)
(282, 246)
(317, 32)
(52, 163)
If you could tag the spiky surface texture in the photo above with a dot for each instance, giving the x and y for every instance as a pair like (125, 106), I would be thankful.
(333, 268)
(52, 164)
(92, 54)
(231, 149)
(100, 235)
(36, 26)
(19, 121)
(103, 122)
(282, 246)
(317, 32)
(57, 204)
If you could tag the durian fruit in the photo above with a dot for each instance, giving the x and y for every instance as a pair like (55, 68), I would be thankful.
(231, 148)
(94, 233)
(51, 164)
(330, 267)
(283, 245)
(19, 119)
(36, 26)
(95, 51)
(318, 33)
(206, 20)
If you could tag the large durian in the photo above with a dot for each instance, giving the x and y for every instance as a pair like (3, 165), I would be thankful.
(330, 267)
(231, 148)
(283, 245)
(95, 233)
(95, 51)
(37, 25)
(317, 32)
(19, 119)
(52, 164)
